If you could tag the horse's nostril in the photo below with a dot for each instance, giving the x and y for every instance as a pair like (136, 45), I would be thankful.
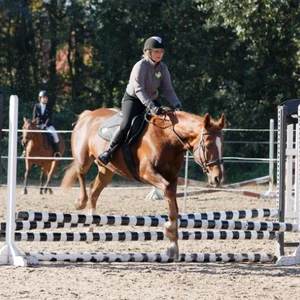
(217, 180)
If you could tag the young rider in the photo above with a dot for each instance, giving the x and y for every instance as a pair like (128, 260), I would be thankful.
(43, 111)
(147, 75)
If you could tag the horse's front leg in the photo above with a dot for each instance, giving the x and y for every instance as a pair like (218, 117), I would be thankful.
(25, 192)
(41, 181)
(47, 187)
(171, 227)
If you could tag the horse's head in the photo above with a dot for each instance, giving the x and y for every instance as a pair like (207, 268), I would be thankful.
(210, 148)
(27, 126)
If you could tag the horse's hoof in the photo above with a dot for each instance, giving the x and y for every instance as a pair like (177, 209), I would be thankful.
(25, 192)
(173, 251)
(50, 192)
(91, 229)
(80, 205)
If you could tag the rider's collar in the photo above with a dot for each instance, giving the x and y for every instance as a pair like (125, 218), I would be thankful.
(152, 62)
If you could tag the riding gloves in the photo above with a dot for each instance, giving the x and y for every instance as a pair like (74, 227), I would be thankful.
(157, 110)
(178, 107)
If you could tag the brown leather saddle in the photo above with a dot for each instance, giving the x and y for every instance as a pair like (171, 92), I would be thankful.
(108, 128)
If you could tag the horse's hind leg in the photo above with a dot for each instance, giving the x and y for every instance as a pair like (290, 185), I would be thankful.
(41, 180)
(102, 179)
(83, 197)
(80, 170)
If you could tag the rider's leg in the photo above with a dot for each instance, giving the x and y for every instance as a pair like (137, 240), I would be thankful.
(116, 140)
(55, 144)
(56, 150)
(131, 107)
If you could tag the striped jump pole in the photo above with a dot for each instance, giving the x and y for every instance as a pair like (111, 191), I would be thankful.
(32, 225)
(138, 236)
(152, 257)
(85, 218)
(182, 223)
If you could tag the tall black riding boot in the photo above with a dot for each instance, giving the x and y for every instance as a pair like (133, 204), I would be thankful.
(117, 139)
(56, 150)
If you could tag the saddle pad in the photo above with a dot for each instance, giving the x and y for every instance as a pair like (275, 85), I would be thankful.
(108, 127)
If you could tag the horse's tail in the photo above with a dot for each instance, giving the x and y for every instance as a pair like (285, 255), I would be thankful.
(69, 177)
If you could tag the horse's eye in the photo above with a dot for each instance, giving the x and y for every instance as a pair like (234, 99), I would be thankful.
(208, 147)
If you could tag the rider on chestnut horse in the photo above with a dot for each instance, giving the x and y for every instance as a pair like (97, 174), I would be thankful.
(146, 77)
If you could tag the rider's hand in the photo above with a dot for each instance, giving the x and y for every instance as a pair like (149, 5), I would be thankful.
(157, 110)
(43, 126)
(178, 108)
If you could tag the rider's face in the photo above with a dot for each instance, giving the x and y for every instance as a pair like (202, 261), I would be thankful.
(44, 100)
(157, 54)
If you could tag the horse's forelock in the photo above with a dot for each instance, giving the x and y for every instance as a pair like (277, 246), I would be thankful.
(212, 125)
(215, 126)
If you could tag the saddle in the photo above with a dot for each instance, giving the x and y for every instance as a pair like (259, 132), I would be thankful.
(111, 125)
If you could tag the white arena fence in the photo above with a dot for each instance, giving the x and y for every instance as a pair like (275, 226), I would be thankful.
(227, 228)
(201, 187)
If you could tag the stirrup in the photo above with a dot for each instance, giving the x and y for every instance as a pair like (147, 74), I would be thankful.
(57, 154)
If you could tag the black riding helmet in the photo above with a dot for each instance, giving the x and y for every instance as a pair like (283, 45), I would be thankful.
(154, 42)
(43, 94)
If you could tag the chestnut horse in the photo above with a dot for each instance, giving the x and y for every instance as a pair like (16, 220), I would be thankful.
(158, 155)
(37, 144)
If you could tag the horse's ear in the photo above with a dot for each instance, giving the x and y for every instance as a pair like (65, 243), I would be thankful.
(24, 119)
(34, 121)
(206, 121)
(222, 121)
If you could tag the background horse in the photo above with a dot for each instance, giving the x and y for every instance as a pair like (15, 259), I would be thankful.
(37, 145)
(158, 155)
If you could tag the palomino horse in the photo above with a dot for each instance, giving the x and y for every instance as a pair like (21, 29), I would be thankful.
(158, 155)
(37, 145)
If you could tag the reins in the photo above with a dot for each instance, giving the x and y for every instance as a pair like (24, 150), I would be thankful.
(147, 113)
(28, 139)
(203, 164)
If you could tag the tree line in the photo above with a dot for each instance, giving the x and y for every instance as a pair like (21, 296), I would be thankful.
(240, 57)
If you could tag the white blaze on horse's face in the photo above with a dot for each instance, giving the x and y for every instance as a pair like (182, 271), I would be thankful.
(208, 154)
(214, 165)
(219, 146)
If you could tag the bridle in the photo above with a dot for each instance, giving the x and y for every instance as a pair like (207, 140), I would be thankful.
(29, 135)
(204, 163)
(27, 138)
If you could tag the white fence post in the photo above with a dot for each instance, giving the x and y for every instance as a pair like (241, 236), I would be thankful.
(9, 254)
